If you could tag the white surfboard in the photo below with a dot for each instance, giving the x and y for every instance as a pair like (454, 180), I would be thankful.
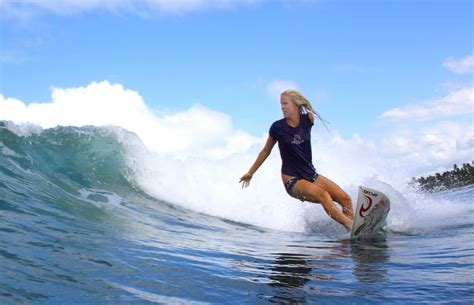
(370, 214)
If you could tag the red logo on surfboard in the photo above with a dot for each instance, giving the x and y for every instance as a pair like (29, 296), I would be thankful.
(364, 209)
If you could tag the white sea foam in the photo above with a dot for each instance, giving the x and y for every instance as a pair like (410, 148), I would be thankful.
(211, 187)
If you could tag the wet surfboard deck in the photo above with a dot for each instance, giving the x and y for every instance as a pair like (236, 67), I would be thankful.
(370, 214)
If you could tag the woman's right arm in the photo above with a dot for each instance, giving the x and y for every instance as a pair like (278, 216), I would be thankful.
(262, 156)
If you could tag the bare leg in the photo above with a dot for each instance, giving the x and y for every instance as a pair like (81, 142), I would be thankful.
(313, 192)
(338, 194)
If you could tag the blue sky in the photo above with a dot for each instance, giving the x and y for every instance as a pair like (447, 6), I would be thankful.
(355, 60)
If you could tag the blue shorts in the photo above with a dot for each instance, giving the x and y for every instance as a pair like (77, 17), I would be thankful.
(290, 184)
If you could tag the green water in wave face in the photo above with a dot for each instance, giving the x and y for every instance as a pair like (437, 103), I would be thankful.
(74, 230)
(84, 156)
(65, 170)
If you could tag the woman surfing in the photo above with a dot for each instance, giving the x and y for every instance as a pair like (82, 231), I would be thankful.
(301, 181)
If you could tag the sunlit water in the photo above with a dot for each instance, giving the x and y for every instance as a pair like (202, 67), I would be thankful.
(78, 226)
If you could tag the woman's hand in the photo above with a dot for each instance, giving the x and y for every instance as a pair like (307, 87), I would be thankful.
(245, 180)
(262, 156)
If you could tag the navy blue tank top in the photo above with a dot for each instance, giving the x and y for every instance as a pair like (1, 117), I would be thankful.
(295, 147)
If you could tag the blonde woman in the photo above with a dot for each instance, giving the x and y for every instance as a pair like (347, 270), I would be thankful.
(293, 134)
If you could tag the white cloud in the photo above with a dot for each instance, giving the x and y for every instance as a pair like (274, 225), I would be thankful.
(460, 66)
(25, 9)
(454, 85)
(455, 103)
(275, 88)
(419, 141)
(431, 145)
(198, 130)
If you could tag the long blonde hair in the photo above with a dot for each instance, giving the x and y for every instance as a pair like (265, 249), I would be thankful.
(303, 104)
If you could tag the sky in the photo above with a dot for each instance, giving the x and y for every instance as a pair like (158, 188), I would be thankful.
(396, 74)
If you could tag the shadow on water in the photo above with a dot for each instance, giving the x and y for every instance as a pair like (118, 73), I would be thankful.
(370, 258)
(289, 274)
(340, 269)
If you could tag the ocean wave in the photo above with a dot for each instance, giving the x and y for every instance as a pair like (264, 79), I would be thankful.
(99, 166)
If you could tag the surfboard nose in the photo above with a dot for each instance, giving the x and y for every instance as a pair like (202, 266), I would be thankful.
(370, 214)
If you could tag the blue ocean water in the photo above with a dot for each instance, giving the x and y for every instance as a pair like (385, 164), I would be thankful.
(78, 227)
